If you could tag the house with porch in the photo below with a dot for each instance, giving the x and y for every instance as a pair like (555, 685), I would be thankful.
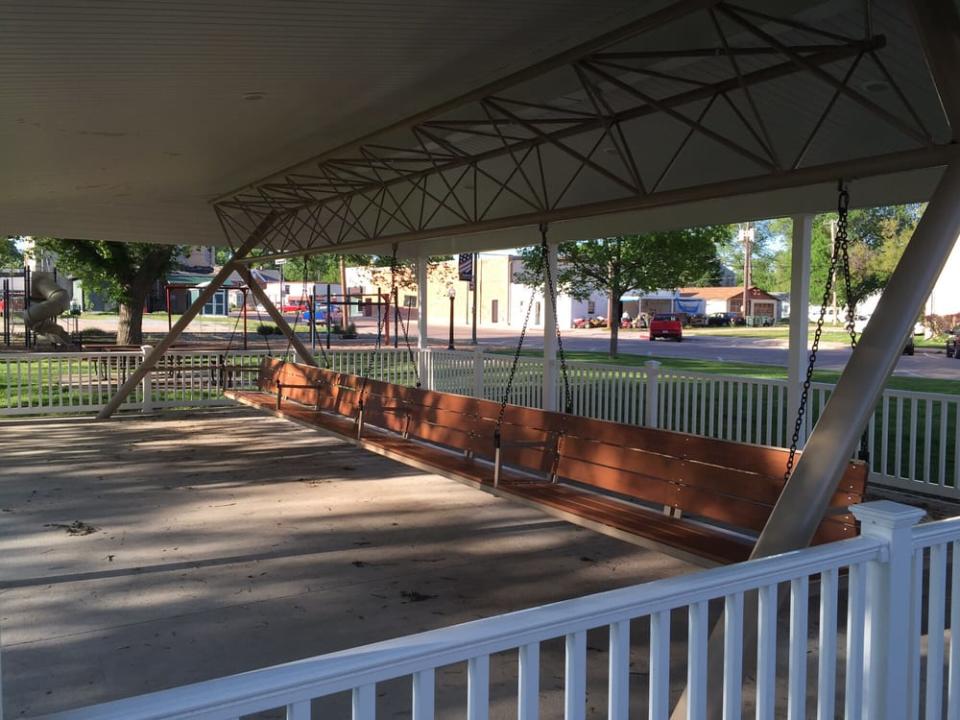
(760, 303)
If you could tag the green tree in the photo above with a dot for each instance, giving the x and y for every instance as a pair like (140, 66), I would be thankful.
(124, 272)
(877, 238)
(624, 263)
(10, 255)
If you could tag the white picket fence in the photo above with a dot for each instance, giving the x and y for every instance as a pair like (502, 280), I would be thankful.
(870, 660)
(914, 437)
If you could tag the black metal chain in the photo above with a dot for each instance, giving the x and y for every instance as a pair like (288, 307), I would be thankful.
(844, 247)
(382, 317)
(843, 201)
(568, 398)
(513, 370)
(545, 255)
(296, 318)
(395, 293)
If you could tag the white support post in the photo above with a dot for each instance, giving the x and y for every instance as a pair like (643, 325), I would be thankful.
(477, 372)
(806, 495)
(651, 411)
(799, 314)
(887, 631)
(146, 405)
(423, 342)
(550, 335)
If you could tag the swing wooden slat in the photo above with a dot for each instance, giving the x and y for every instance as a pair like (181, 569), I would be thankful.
(697, 496)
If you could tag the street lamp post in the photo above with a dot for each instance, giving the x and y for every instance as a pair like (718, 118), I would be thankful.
(452, 294)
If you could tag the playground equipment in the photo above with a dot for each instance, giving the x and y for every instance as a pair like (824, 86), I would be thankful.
(40, 317)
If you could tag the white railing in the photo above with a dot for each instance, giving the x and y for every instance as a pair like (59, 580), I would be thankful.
(913, 437)
(664, 628)
(77, 383)
(67, 383)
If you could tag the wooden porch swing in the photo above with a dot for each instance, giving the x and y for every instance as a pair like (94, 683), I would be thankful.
(697, 497)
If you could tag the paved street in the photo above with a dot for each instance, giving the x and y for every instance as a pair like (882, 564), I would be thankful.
(699, 346)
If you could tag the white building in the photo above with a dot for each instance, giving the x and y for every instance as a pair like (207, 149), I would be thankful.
(945, 298)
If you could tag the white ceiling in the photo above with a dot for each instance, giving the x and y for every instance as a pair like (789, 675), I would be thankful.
(123, 119)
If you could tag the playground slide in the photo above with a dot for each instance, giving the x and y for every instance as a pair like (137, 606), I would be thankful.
(41, 316)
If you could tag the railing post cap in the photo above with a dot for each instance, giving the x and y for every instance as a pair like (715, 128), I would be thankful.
(887, 514)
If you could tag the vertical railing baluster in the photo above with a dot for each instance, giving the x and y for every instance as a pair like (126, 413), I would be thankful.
(953, 677)
(915, 624)
(766, 652)
(364, 702)
(697, 661)
(423, 694)
(528, 690)
(827, 666)
(936, 594)
(797, 684)
(898, 440)
(478, 688)
(298, 710)
(618, 695)
(856, 603)
(575, 672)
(733, 656)
(660, 665)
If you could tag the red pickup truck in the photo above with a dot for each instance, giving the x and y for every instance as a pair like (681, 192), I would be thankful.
(666, 325)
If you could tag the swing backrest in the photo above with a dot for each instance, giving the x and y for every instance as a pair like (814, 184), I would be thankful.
(733, 484)
(730, 483)
(465, 424)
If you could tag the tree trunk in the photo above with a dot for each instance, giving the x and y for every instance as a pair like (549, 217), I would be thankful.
(130, 315)
(614, 321)
(130, 324)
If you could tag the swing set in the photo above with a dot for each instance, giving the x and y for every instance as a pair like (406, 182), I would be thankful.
(700, 498)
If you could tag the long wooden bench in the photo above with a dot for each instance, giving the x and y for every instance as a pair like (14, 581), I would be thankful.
(703, 497)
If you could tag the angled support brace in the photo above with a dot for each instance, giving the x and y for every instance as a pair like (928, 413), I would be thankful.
(807, 493)
(150, 361)
(303, 352)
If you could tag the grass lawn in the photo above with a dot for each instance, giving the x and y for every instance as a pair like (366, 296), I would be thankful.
(748, 370)
(831, 333)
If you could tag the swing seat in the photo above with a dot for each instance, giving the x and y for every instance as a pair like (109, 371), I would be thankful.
(700, 498)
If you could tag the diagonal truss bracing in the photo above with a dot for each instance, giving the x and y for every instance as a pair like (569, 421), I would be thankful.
(686, 103)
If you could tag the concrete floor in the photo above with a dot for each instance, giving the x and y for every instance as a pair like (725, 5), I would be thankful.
(230, 541)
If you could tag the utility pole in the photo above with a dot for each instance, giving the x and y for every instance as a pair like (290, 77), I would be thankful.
(746, 235)
(475, 283)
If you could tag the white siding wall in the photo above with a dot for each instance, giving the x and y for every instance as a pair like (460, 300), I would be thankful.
(716, 306)
(945, 298)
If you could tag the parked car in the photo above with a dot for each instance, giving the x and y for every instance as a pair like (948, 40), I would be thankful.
(725, 319)
(952, 336)
(698, 320)
(666, 325)
(321, 315)
(908, 348)
(294, 307)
